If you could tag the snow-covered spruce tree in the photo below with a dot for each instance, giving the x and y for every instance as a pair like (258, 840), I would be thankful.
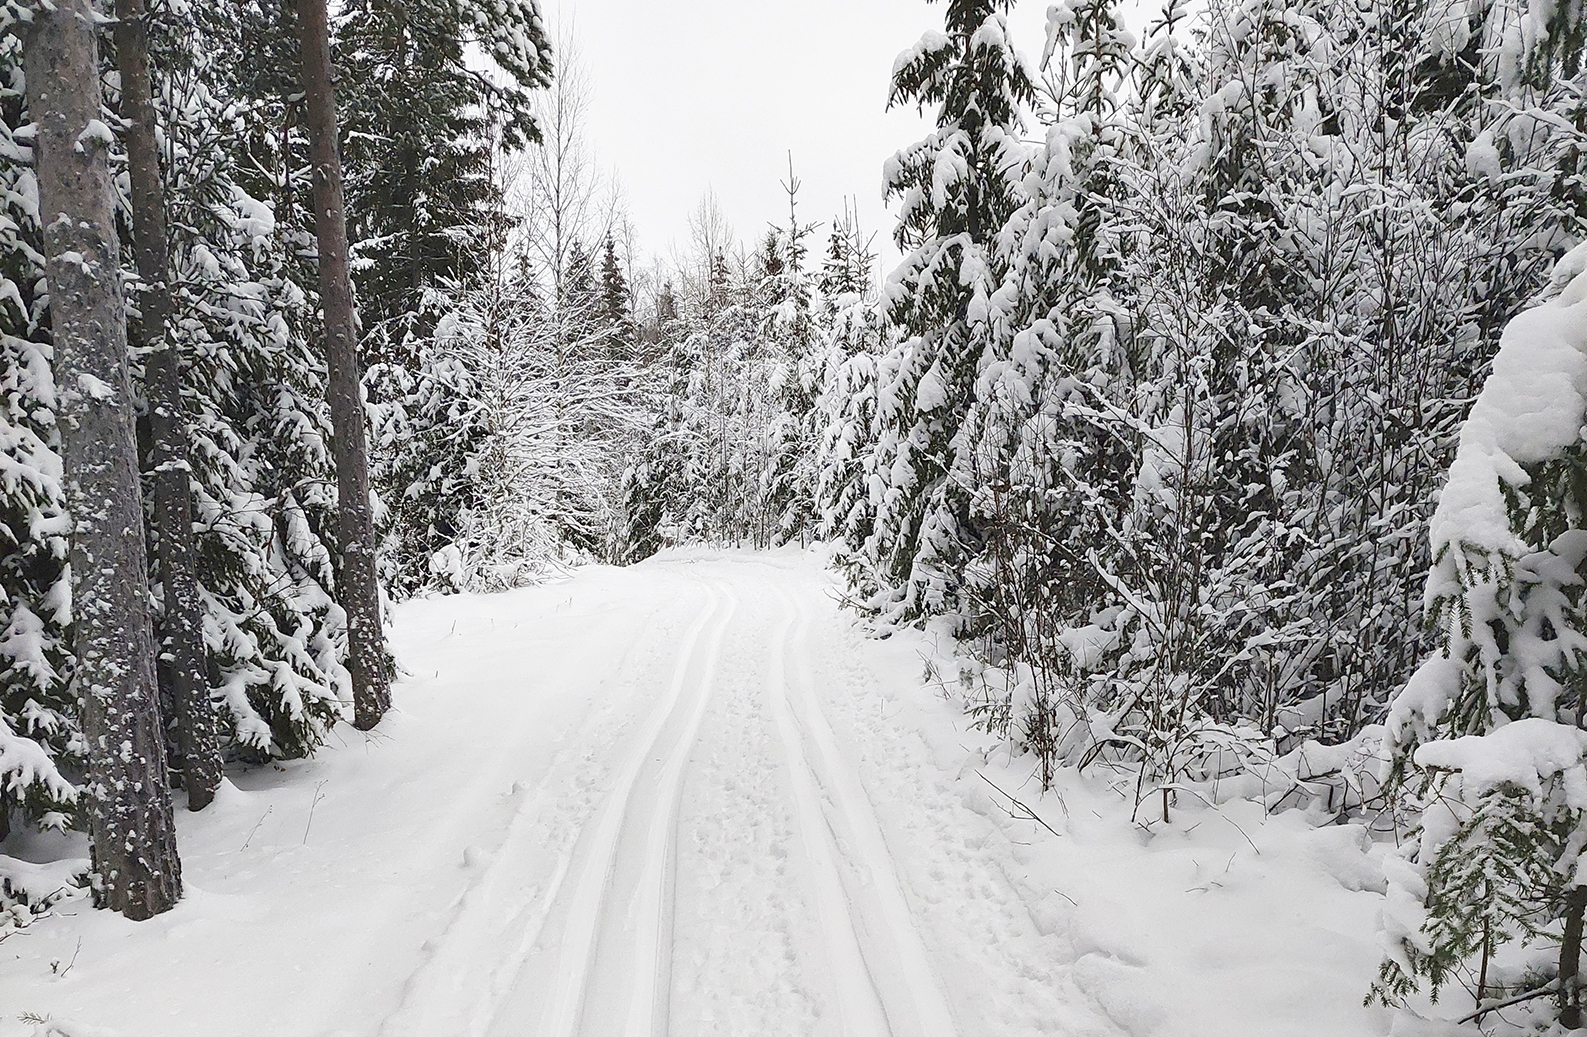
(614, 309)
(225, 77)
(40, 742)
(789, 333)
(420, 127)
(258, 426)
(1043, 465)
(956, 189)
(133, 834)
(855, 336)
(424, 438)
(849, 266)
(423, 133)
(1486, 730)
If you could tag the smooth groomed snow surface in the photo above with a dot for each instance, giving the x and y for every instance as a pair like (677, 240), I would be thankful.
(691, 797)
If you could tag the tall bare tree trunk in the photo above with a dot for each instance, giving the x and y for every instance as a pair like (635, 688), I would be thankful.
(1570, 1013)
(356, 581)
(129, 802)
(175, 552)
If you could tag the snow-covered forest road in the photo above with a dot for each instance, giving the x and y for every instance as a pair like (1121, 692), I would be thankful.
(697, 853)
(690, 797)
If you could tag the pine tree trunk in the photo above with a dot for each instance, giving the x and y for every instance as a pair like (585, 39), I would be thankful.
(357, 585)
(128, 801)
(1570, 959)
(175, 551)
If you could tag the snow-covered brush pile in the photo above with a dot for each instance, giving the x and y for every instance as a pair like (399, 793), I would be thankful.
(29, 892)
(1168, 755)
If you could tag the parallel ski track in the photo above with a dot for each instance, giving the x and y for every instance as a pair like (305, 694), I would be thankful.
(859, 943)
(650, 913)
(447, 988)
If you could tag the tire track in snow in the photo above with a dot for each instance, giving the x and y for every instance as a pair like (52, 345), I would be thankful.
(648, 915)
(882, 974)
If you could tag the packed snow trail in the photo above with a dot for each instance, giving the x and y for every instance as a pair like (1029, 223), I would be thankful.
(873, 884)
(628, 864)
(859, 1004)
(692, 798)
(605, 963)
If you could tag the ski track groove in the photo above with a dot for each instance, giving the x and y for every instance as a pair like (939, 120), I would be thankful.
(851, 830)
(858, 1002)
(652, 904)
(882, 979)
(438, 991)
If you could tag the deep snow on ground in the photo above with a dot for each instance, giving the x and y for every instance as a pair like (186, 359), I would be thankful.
(692, 797)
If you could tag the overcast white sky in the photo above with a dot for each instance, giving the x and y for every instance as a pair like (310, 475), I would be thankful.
(715, 93)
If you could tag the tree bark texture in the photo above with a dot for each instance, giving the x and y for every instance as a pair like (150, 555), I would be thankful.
(1570, 1015)
(357, 584)
(175, 550)
(137, 871)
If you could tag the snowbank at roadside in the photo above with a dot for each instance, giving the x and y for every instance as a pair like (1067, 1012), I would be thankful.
(1226, 921)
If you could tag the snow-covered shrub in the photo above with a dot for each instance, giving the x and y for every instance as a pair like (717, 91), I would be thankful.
(31, 892)
(504, 451)
(1233, 310)
(1487, 731)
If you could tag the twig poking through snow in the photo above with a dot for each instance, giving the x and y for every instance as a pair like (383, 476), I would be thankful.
(1491, 1005)
(1029, 814)
(1180, 788)
(256, 825)
(69, 964)
(314, 803)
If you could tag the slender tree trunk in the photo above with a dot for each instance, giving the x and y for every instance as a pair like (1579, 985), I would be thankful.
(175, 552)
(129, 803)
(1570, 959)
(356, 582)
